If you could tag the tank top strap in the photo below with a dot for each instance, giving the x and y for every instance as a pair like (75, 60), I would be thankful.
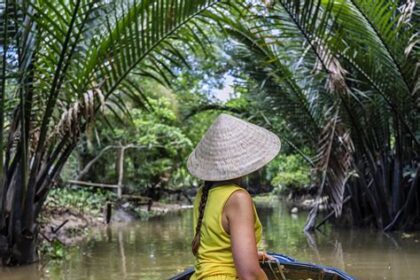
(221, 194)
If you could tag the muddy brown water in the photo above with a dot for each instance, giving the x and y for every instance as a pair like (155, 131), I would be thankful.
(160, 248)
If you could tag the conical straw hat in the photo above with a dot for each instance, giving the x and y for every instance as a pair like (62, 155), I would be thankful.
(232, 148)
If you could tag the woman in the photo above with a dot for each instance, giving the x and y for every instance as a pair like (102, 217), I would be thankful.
(227, 228)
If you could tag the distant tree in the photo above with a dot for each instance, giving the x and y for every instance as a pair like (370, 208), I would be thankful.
(155, 150)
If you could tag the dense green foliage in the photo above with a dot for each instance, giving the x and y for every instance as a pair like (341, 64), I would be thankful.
(290, 171)
(156, 144)
(338, 80)
(81, 200)
(62, 64)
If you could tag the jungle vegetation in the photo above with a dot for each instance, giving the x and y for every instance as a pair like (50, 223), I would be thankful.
(343, 75)
(338, 80)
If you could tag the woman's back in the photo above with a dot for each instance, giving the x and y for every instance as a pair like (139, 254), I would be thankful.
(226, 224)
(215, 253)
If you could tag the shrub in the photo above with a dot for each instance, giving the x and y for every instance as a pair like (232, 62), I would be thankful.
(289, 171)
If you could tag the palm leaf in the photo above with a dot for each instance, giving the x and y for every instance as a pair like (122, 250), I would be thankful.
(334, 161)
(70, 58)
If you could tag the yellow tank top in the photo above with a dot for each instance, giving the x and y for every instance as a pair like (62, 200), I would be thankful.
(214, 254)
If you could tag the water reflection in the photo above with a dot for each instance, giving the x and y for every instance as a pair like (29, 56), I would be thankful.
(362, 253)
(160, 248)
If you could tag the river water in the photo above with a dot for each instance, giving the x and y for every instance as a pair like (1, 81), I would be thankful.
(160, 248)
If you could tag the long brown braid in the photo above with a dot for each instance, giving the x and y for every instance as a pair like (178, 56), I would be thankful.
(196, 241)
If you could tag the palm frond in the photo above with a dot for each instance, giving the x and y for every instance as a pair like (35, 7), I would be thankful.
(334, 161)
(68, 60)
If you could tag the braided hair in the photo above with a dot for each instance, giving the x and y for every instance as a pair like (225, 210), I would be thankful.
(196, 241)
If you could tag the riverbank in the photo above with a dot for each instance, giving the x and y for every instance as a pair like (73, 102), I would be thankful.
(69, 214)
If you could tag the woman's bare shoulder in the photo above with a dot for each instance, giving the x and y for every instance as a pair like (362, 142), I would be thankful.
(239, 200)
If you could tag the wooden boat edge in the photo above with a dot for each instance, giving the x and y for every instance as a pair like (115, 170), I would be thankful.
(282, 260)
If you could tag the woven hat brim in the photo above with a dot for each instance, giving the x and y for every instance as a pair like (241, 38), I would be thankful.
(244, 149)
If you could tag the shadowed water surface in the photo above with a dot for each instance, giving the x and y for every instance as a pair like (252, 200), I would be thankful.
(159, 248)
